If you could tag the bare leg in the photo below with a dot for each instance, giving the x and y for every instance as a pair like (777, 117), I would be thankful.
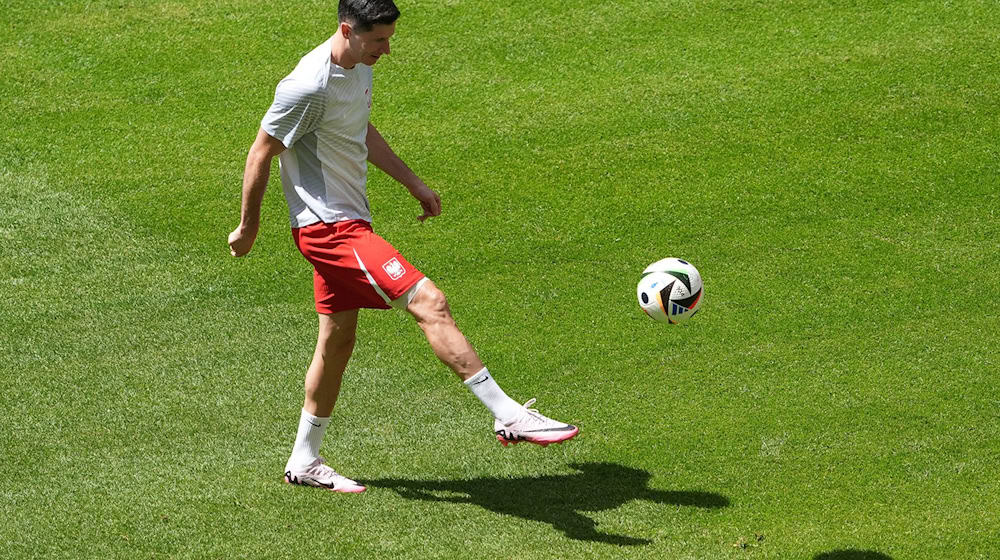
(333, 349)
(430, 308)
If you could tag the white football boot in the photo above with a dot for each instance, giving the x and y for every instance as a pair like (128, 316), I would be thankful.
(533, 427)
(320, 475)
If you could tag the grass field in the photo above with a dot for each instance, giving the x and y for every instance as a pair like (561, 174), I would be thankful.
(830, 166)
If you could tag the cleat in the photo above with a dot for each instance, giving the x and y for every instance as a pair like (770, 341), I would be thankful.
(532, 426)
(320, 475)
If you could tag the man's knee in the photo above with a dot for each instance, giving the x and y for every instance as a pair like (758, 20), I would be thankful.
(430, 304)
(341, 342)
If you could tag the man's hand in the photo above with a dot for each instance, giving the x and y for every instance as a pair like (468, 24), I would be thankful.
(429, 201)
(241, 241)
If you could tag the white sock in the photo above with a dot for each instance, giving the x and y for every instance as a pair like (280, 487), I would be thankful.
(307, 440)
(483, 386)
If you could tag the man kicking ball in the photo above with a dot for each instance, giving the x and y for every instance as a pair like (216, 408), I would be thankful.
(318, 127)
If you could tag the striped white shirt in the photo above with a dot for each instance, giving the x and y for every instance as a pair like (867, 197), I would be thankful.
(320, 113)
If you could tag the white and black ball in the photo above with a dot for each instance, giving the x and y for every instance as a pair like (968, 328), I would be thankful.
(670, 290)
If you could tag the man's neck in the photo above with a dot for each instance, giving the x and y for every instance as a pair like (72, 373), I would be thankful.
(339, 53)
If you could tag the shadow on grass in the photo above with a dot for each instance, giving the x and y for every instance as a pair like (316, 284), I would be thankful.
(852, 555)
(558, 499)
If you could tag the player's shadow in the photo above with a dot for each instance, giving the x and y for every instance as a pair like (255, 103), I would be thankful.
(852, 554)
(558, 499)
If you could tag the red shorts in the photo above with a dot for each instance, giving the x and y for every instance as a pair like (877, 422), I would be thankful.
(354, 267)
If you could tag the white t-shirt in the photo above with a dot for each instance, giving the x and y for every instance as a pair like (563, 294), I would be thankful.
(320, 113)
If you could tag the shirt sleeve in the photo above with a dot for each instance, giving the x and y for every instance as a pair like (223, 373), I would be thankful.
(296, 111)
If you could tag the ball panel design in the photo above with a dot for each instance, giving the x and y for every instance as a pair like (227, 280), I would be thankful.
(670, 290)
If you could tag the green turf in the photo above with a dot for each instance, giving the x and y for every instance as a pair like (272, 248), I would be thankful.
(830, 167)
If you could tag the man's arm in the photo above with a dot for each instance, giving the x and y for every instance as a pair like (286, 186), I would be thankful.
(382, 156)
(255, 176)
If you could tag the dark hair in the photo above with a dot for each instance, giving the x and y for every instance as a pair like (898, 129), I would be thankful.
(365, 14)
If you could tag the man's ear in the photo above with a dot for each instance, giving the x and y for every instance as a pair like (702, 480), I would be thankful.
(345, 29)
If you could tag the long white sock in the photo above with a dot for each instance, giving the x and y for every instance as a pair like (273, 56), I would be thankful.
(486, 389)
(307, 440)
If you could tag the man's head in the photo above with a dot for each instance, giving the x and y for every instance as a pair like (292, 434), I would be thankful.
(363, 15)
(365, 29)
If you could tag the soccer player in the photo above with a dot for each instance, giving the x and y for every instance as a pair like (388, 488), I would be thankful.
(318, 127)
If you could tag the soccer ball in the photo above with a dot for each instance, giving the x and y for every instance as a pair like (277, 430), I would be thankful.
(670, 290)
